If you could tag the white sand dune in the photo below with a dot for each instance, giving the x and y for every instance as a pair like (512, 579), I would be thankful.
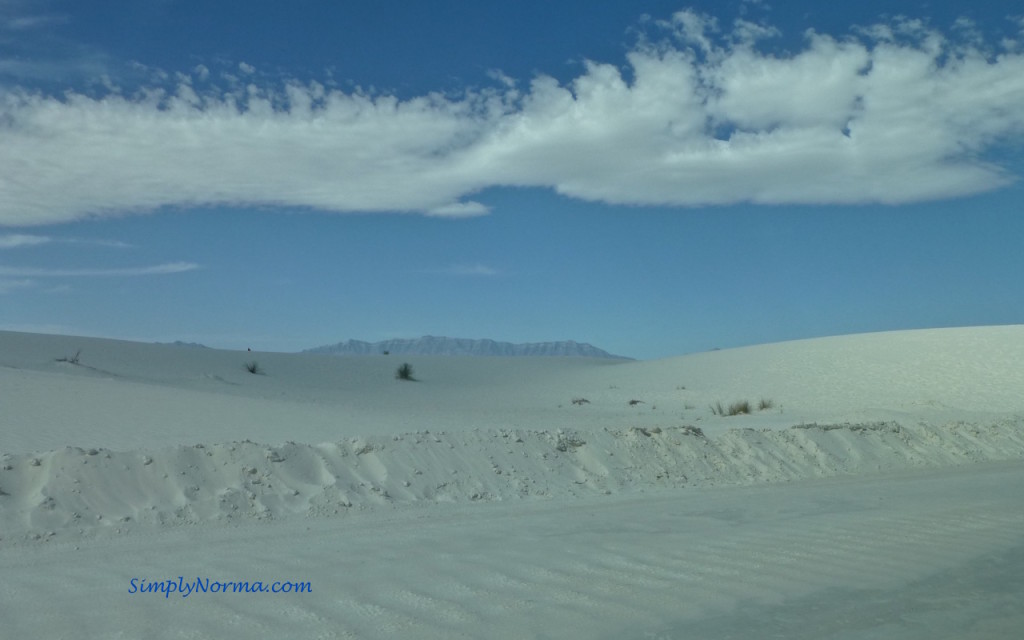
(481, 501)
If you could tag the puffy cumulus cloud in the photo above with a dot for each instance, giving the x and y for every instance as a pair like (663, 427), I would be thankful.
(892, 113)
(75, 156)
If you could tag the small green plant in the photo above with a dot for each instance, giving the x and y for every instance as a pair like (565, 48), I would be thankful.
(254, 368)
(404, 372)
(71, 359)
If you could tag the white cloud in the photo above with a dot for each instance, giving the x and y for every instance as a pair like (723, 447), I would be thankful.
(18, 240)
(894, 113)
(693, 28)
(25, 23)
(84, 64)
(57, 329)
(460, 210)
(463, 270)
(7, 286)
(116, 244)
(160, 269)
(468, 270)
(15, 240)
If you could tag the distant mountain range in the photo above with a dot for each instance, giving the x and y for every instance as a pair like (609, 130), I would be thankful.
(440, 346)
(179, 343)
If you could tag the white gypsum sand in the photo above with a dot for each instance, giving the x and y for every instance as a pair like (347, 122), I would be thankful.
(879, 495)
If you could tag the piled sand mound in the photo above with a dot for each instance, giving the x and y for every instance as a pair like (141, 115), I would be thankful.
(83, 492)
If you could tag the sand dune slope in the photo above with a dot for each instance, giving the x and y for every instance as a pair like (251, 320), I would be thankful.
(125, 395)
(876, 493)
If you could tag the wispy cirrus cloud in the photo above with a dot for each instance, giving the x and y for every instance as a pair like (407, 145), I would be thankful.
(18, 240)
(472, 270)
(891, 113)
(8, 285)
(154, 270)
(29, 22)
(31, 48)
(57, 329)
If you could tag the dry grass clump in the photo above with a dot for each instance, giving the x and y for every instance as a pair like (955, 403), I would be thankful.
(580, 401)
(737, 408)
(404, 372)
(254, 368)
(741, 407)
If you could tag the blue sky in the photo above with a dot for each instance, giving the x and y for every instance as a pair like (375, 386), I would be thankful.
(654, 178)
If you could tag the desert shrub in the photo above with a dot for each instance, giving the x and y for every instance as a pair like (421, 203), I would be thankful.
(580, 401)
(734, 409)
(737, 408)
(71, 359)
(404, 372)
(633, 403)
(253, 368)
(765, 404)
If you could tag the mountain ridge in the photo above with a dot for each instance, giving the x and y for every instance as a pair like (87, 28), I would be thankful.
(440, 345)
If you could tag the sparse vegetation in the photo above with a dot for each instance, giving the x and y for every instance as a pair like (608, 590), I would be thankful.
(71, 359)
(734, 409)
(737, 408)
(404, 372)
(633, 403)
(580, 401)
(253, 368)
(741, 407)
